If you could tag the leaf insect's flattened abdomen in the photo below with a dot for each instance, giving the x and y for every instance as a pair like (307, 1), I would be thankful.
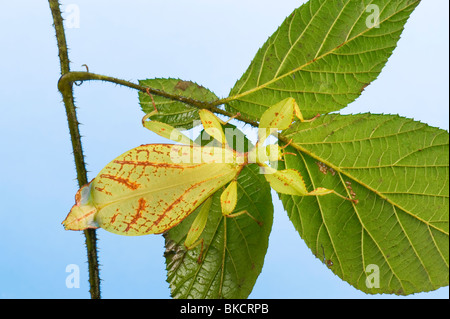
(145, 192)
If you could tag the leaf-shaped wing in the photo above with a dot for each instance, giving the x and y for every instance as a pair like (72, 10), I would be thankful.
(397, 169)
(323, 55)
(151, 188)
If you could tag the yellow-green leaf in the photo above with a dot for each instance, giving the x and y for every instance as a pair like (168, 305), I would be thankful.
(323, 55)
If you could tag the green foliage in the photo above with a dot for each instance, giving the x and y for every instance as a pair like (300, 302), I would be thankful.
(323, 55)
(233, 249)
(395, 169)
(398, 171)
(175, 113)
(391, 174)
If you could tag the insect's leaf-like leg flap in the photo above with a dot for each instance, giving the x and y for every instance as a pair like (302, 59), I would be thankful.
(167, 131)
(212, 125)
(228, 201)
(82, 214)
(197, 227)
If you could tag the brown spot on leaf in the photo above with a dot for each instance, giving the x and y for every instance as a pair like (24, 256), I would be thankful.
(324, 169)
(182, 85)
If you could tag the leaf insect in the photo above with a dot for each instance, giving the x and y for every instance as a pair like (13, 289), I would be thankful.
(152, 188)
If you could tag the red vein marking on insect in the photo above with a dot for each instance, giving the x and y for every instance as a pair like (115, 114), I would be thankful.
(103, 190)
(78, 196)
(142, 207)
(126, 182)
(85, 216)
(158, 165)
(113, 218)
(138, 151)
(159, 152)
(177, 201)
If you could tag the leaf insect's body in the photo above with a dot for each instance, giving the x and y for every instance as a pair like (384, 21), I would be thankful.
(144, 192)
(152, 188)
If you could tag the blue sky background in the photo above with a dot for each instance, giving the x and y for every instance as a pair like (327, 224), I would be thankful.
(210, 42)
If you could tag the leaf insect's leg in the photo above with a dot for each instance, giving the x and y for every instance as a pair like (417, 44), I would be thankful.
(228, 201)
(285, 146)
(299, 114)
(155, 111)
(279, 117)
(324, 191)
(163, 129)
(233, 117)
(153, 102)
(282, 148)
(290, 182)
(166, 131)
(197, 227)
(213, 125)
(244, 212)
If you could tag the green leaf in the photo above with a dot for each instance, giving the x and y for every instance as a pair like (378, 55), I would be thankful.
(397, 169)
(323, 55)
(175, 113)
(233, 250)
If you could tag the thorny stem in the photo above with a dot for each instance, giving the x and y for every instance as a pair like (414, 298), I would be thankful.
(67, 93)
(69, 78)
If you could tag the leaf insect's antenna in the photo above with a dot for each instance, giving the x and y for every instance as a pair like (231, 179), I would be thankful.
(155, 111)
(153, 100)
(285, 146)
(312, 119)
(232, 118)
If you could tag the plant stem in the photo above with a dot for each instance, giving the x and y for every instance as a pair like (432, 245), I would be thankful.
(69, 78)
(67, 93)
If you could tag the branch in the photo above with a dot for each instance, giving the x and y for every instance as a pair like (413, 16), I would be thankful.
(69, 78)
(80, 165)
